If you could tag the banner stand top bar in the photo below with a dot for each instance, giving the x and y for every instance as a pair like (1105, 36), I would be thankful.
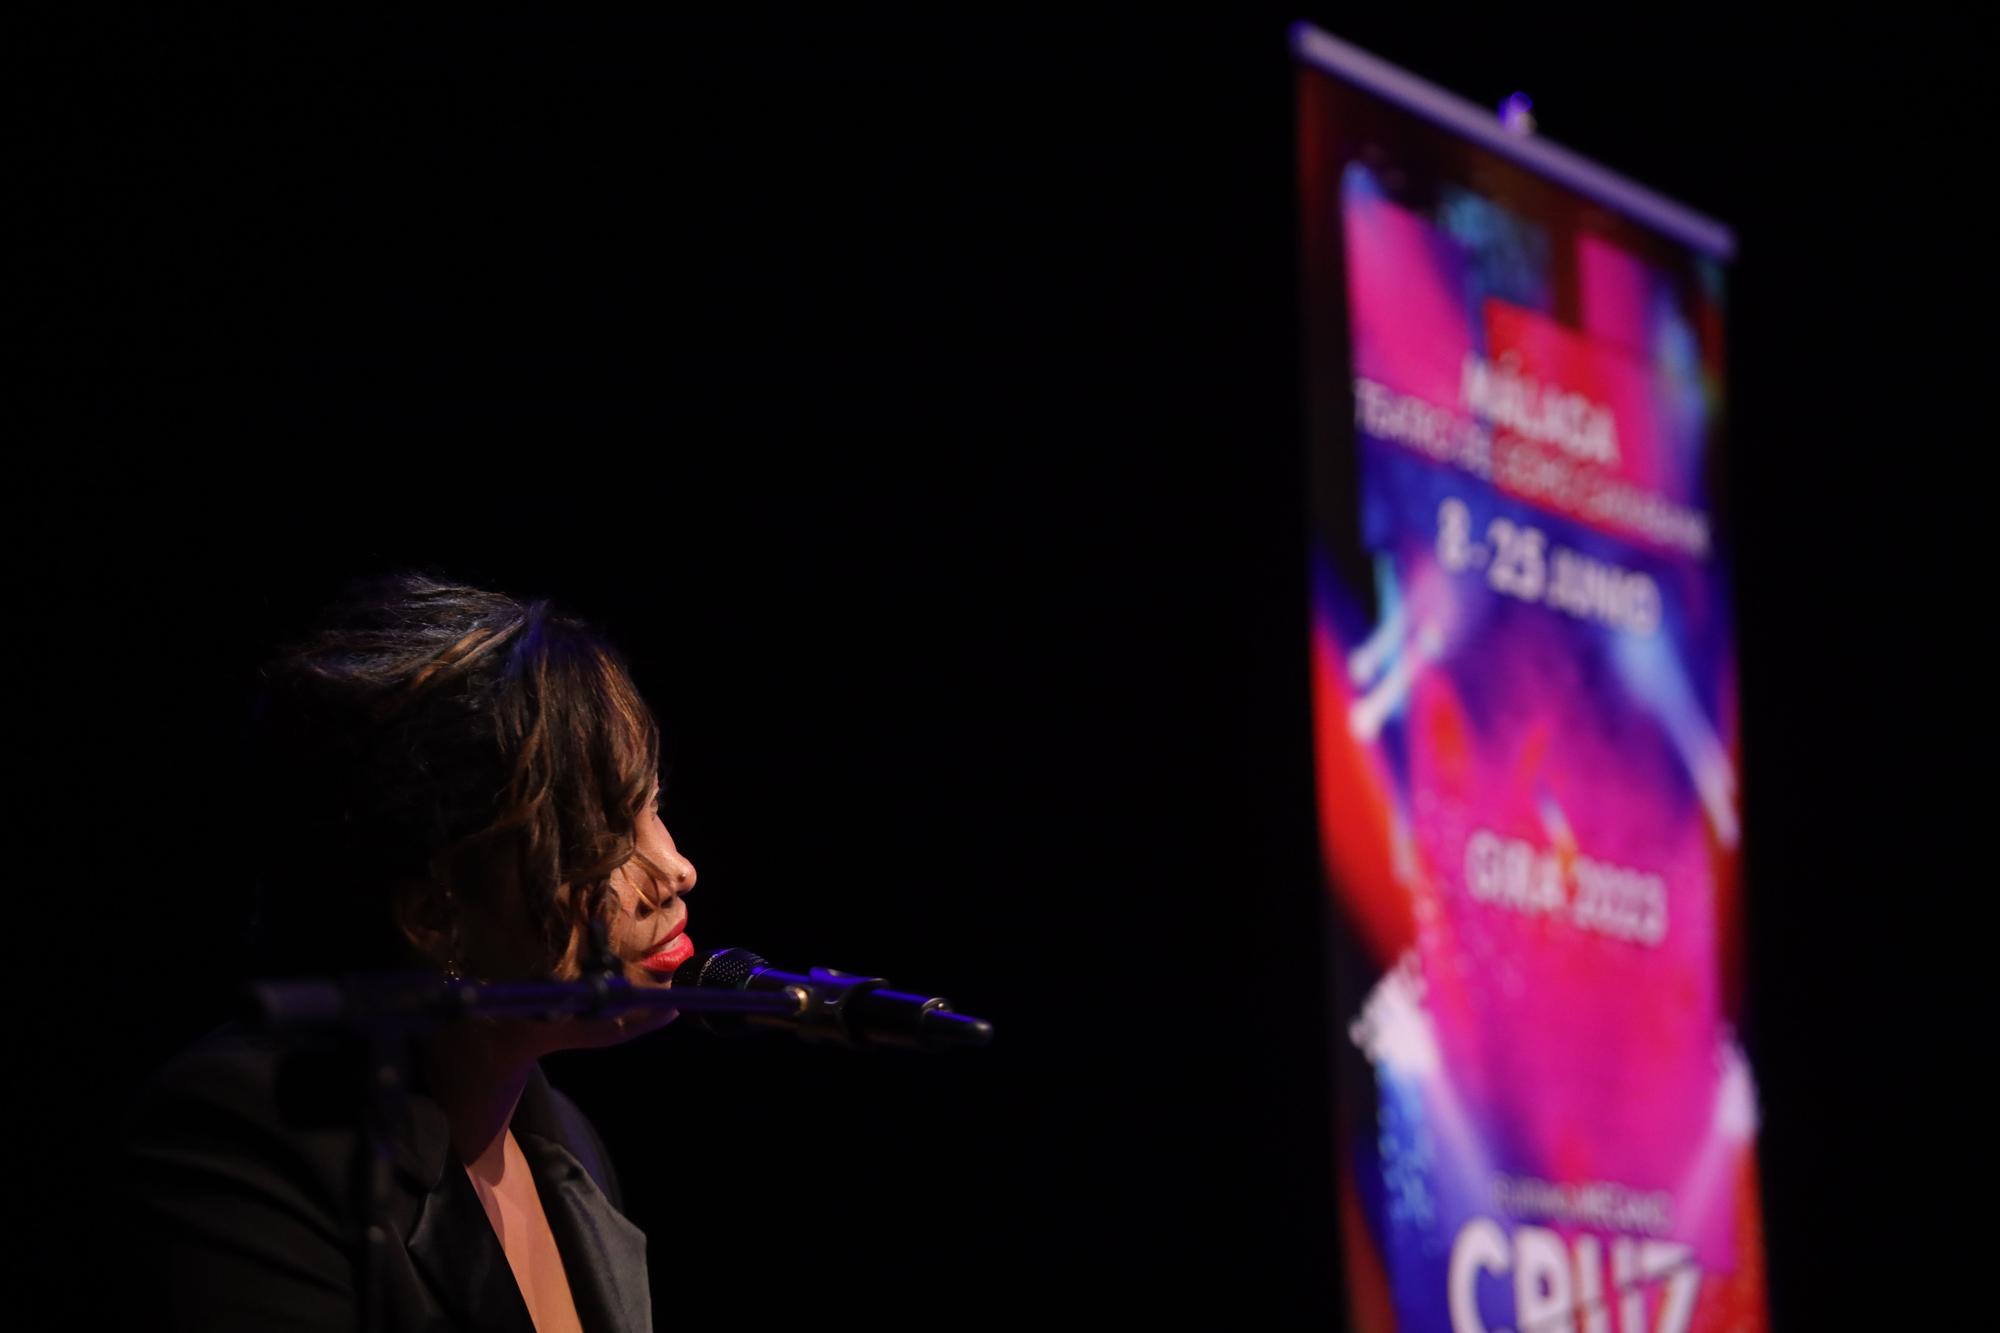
(1455, 113)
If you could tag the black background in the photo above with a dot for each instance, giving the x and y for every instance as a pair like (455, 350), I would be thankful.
(916, 400)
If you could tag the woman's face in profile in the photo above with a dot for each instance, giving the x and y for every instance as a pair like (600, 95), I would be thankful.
(648, 918)
(647, 932)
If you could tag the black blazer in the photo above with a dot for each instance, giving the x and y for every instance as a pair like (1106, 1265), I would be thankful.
(238, 1219)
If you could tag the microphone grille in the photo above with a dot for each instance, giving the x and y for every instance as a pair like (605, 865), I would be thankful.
(719, 969)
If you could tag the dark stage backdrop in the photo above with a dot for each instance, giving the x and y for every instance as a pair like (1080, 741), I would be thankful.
(917, 403)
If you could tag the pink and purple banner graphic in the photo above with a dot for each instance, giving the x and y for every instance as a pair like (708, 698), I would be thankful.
(1527, 740)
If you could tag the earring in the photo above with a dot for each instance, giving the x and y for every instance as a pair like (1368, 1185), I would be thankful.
(451, 972)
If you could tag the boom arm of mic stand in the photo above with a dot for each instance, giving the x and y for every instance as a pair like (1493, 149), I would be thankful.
(373, 1004)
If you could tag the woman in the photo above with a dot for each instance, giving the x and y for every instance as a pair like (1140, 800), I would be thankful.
(457, 781)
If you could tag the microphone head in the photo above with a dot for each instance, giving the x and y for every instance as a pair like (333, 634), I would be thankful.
(717, 969)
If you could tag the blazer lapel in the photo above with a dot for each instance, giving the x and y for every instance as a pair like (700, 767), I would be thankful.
(604, 1255)
(453, 1246)
(450, 1240)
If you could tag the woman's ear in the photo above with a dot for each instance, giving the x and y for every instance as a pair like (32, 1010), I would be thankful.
(423, 912)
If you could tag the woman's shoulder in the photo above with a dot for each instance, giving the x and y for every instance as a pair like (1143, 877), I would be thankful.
(231, 1066)
(242, 1112)
(236, 1209)
(233, 1073)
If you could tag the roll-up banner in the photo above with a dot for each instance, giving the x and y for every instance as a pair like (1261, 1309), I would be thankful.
(1527, 724)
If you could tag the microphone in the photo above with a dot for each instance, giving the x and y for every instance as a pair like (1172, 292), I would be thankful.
(839, 1006)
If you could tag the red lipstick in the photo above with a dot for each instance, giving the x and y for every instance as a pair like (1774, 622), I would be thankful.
(676, 949)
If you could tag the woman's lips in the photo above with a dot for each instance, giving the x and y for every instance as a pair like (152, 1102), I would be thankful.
(663, 960)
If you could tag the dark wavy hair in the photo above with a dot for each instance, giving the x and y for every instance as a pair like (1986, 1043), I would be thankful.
(430, 750)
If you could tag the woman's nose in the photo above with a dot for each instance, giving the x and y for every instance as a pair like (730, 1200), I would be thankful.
(681, 873)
